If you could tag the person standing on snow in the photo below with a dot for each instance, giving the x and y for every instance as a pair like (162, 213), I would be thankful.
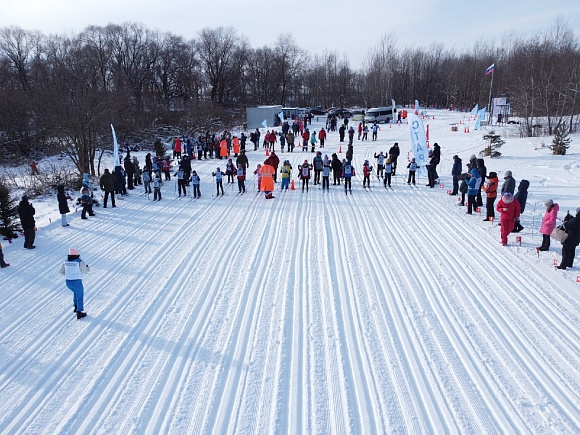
(313, 141)
(317, 166)
(218, 181)
(394, 153)
(336, 169)
(380, 164)
(347, 174)
(62, 205)
(304, 171)
(107, 183)
(322, 137)
(510, 212)
(472, 189)
(490, 189)
(241, 176)
(195, 181)
(286, 172)
(326, 175)
(367, 171)
(456, 174)
(73, 269)
(509, 184)
(388, 172)
(3, 264)
(572, 228)
(26, 213)
(412, 167)
(548, 224)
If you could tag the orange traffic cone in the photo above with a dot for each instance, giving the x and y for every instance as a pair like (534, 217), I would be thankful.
(390, 126)
(292, 185)
(340, 150)
(468, 129)
(267, 151)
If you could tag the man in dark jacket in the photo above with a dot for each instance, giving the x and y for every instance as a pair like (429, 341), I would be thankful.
(62, 204)
(572, 228)
(336, 165)
(242, 159)
(26, 212)
(394, 152)
(482, 173)
(108, 185)
(129, 170)
(456, 174)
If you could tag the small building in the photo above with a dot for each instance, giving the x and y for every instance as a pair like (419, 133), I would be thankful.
(255, 116)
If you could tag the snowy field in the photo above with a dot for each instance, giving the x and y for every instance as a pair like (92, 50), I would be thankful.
(380, 312)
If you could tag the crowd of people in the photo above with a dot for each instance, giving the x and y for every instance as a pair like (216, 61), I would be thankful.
(158, 168)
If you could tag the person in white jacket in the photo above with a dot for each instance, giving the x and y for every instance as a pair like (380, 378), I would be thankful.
(73, 269)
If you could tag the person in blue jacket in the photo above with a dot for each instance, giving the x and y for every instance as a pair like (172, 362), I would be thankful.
(472, 189)
(73, 270)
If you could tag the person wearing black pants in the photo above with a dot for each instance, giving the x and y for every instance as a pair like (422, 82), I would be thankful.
(26, 213)
(572, 228)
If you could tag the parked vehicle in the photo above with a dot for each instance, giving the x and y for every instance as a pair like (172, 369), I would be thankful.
(380, 114)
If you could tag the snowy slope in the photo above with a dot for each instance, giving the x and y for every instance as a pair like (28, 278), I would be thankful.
(384, 311)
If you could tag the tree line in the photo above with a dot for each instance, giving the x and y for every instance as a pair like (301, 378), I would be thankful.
(60, 93)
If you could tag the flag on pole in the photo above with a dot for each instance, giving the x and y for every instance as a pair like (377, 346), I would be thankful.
(393, 103)
(115, 148)
(281, 116)
(475, 109)
(427, 135)
(489, 69)
(265, 123)
(480, 117)
(418, 142)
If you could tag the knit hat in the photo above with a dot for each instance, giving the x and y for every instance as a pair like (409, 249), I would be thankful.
(507, 174)
(73, 251)
(549, 203)
(24, 198)
(578, 210)
(508, 197)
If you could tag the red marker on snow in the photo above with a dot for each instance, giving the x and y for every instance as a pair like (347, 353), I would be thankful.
(519, 240)
(555, 262)
(578, 279)
(441, 186)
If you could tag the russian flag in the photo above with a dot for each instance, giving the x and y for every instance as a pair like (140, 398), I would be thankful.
(489, 70)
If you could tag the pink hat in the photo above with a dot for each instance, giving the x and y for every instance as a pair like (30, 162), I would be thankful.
(73, 251)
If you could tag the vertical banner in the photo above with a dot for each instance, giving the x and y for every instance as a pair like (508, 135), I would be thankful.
(475, 109)
(393, 103)
(416, 107)
(265, 123)
(418, 142)
(480, 117)
(115, 148)
(427, 135)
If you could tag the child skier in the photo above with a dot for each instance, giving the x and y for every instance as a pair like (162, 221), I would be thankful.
(218, 181)
(73, 269)
(230, 170)
(241, 176)
(412, 166)
(380, 164)
(3, 264)
(326, 175)
(304, 170)
(388, 172)
(181, 181)
(156, 189)
(548, 224)
(347, 174)
(286, 171)
(367, 171)
(259, 175)
(195, 181)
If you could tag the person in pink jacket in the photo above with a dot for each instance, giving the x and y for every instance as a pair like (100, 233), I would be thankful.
(510, 212)
(548, 224)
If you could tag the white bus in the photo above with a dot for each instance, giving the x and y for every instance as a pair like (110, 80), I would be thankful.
(380, 114)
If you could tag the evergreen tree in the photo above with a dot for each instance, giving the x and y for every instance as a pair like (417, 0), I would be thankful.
(561, 140)
(9, 224)
(495, 143)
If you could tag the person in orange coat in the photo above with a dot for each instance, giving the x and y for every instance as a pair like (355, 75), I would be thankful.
(510, 212)
(236, 145)
(223, 149)
(490, 189)
(267, 185)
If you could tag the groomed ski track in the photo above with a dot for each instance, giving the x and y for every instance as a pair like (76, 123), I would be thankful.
(316, 312)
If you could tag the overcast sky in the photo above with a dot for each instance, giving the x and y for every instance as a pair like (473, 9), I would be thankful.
(345, 27)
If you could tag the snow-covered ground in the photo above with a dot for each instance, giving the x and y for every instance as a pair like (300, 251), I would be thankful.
(380, 312)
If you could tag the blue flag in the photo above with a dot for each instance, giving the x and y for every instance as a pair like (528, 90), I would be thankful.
(475, 109)
(480, 117)
(265, 123)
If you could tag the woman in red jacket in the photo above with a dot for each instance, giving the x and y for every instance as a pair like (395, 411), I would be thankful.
(510, 212)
